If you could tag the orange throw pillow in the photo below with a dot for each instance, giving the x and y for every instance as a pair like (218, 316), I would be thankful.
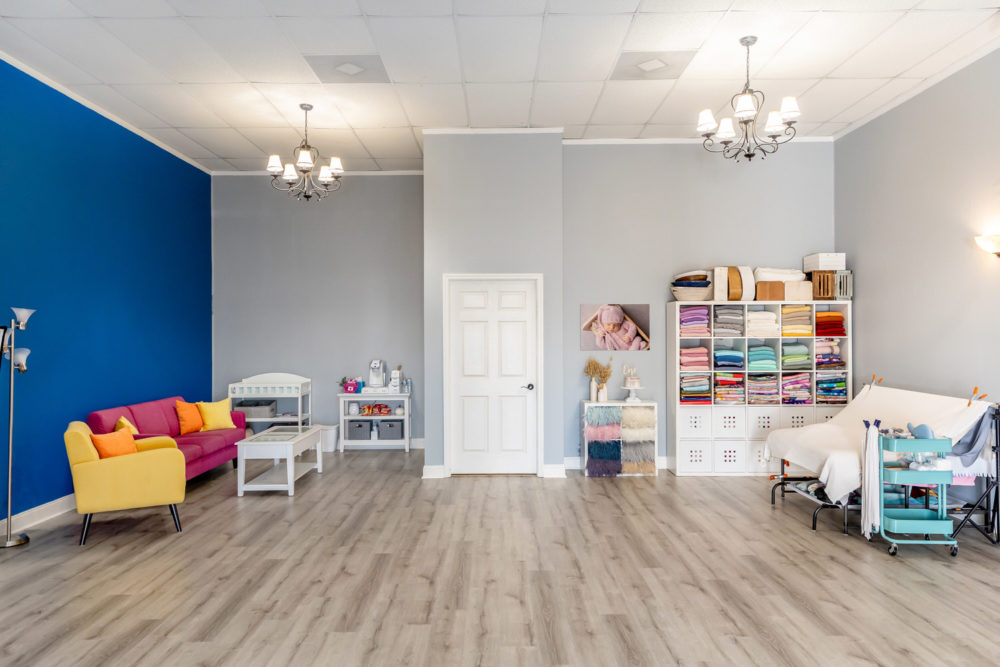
(116, 443)
(189, 416)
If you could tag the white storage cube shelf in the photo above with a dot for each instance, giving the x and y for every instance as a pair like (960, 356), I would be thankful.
(729, 439)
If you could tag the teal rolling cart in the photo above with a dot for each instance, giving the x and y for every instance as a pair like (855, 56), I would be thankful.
(900, 521)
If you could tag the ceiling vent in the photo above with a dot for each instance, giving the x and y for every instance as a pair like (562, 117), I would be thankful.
(348, 69)
(639, 65)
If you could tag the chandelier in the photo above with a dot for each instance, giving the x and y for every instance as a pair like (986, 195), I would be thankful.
(299, 180)
(745, 142)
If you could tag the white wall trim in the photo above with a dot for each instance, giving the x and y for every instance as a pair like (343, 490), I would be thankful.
(555, 470)
(493, 130)
(573, 463)
(664, 462)
(668, 140)
(417, 443)
(391, 172)
(35, 74)
(37, 515)
(435, 472)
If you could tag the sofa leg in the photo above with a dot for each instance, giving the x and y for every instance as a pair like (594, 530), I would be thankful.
(86, 527)
(177, 519)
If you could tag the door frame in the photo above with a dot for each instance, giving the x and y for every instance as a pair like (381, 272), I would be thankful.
(446, 280)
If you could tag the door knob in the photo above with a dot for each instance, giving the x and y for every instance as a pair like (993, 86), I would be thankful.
(528, 386)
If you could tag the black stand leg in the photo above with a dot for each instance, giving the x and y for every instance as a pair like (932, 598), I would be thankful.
(86, 527)
(235, 464)
(846, 503)
(177, 519)
(816, 514)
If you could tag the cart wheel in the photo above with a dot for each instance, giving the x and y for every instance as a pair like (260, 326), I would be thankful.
(893, 549)
(954, 551)
(926, 536)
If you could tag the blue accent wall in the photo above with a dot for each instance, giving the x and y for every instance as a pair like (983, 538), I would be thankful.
(109, 238)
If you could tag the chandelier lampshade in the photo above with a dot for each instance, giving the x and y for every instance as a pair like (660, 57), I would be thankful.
(300, 178)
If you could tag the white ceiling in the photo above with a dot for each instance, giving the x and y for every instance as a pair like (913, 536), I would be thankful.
(219, 81)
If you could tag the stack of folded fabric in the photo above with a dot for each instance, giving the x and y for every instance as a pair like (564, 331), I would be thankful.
(796, 321)
(795, 357)
(729, 320)
(830, 323)
(695, 359)
(760, 357)
(696, 388)
(727, 358)
(762, 389)
(828, 353)
(831, 388)
(729, 388)
(694, 321)
(796, 389)
(762, 324)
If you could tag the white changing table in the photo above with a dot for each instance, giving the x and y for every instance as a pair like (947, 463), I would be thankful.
(277, 385)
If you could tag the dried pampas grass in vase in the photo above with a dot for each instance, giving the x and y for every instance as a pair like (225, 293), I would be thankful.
(599, 375)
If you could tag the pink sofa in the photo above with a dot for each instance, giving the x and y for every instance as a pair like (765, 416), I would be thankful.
(202, 451)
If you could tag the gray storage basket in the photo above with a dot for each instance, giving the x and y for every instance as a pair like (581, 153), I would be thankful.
(258, 408)
(358, 430)
(390, 429)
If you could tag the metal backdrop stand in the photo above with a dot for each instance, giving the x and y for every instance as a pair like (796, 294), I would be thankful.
(989, 501)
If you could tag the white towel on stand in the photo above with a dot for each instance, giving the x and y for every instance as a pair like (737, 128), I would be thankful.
(871, 517)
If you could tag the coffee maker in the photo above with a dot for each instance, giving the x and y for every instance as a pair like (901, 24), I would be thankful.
(376, 374)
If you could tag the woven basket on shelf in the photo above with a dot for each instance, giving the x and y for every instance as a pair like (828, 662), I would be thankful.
(692, 293)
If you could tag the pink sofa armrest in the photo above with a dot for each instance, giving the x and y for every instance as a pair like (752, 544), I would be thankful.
(239, 419)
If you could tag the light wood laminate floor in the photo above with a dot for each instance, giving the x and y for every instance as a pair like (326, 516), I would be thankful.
(370, 565)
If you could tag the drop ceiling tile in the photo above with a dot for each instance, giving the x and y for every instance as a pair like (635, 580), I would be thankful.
(722, 56)
(960, 49)
(250, 164)
(17, 44)
(580, 48)
(830, 97)
(342, 143)
(684, 5)
(407, 8)
(629, 102)
(225, 142)
(434, 104)
(256, 48)
(174, 48)
(390, 142)
(956, 4)
(216, 164)
(232, 8)
(180, 143)
(313, 8)
(612, 132)
(562, 104)
(286, 98)
(368, 105)
(86, 44)
(400, 164)
(908, 41)
(345, 35)
(494, 8)
(494, 50)
(828, 129)
(41, 9)
(689, 96)
(172, 104)
(110, 100)
(360, 164)
(418, 50)
(669, 132)
(879, 99)
(270, 140)
(574, 131)
(824, 5)
(238, 104)
(126, 8)
(670, 32)
(841, 35)
(499, 104)
(592, 6)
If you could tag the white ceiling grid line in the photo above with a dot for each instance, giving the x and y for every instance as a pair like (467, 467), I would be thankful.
(219, 83)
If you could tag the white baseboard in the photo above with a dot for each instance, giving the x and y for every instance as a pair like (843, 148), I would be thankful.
(554, 470)
(573, 463)
(416, 443)
(36, 515)
(664, 462)
(435, 472)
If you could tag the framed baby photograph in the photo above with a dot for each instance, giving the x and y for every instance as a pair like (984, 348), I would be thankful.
(614, 326)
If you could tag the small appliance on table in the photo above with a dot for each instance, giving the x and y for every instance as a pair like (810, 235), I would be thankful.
(282, 444)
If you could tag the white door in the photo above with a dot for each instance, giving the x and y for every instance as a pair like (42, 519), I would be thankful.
(492, 369)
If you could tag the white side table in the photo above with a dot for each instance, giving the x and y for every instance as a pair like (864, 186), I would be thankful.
(403, 399)
(281, 444)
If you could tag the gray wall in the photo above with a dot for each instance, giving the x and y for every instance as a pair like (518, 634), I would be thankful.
(493, 204)
(635, 215)
(914, 187)
(318, 288)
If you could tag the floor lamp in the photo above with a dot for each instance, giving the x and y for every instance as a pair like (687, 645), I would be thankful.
(18, 357)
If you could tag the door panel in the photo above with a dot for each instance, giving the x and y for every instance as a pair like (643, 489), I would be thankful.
(492, 359)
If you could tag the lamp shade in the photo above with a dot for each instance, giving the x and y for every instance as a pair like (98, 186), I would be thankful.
(789, 108)
(274, 164)
(774, 125)
(6, 338)
(989, 243)
(290, 175)
(325, 175)
(21, 357)
(726, 131)
(305, 159)
(746, 107)
(336, 166)
(22, 314)
(706, 122)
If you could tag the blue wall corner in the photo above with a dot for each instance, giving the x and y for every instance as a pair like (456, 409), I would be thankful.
(109, 238)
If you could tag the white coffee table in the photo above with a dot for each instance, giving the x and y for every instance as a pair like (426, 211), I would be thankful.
(281, 444)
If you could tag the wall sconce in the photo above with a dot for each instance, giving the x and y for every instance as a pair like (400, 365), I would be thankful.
(989, 243)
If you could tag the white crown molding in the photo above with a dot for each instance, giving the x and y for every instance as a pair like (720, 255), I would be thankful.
(58, 87)
(397, 172)
(493, 130)
(669, 140)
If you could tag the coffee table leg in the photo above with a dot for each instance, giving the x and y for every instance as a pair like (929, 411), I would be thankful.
(241, 472)
(319, 455)
(290, 469)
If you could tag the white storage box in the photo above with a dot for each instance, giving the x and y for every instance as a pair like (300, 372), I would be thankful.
(729, 456)
(729, 422)
(694, 456)
(798, 290)
(824, 261)
(694, 422)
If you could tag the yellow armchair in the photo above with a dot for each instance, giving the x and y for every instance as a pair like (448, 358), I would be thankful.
(152, 476)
